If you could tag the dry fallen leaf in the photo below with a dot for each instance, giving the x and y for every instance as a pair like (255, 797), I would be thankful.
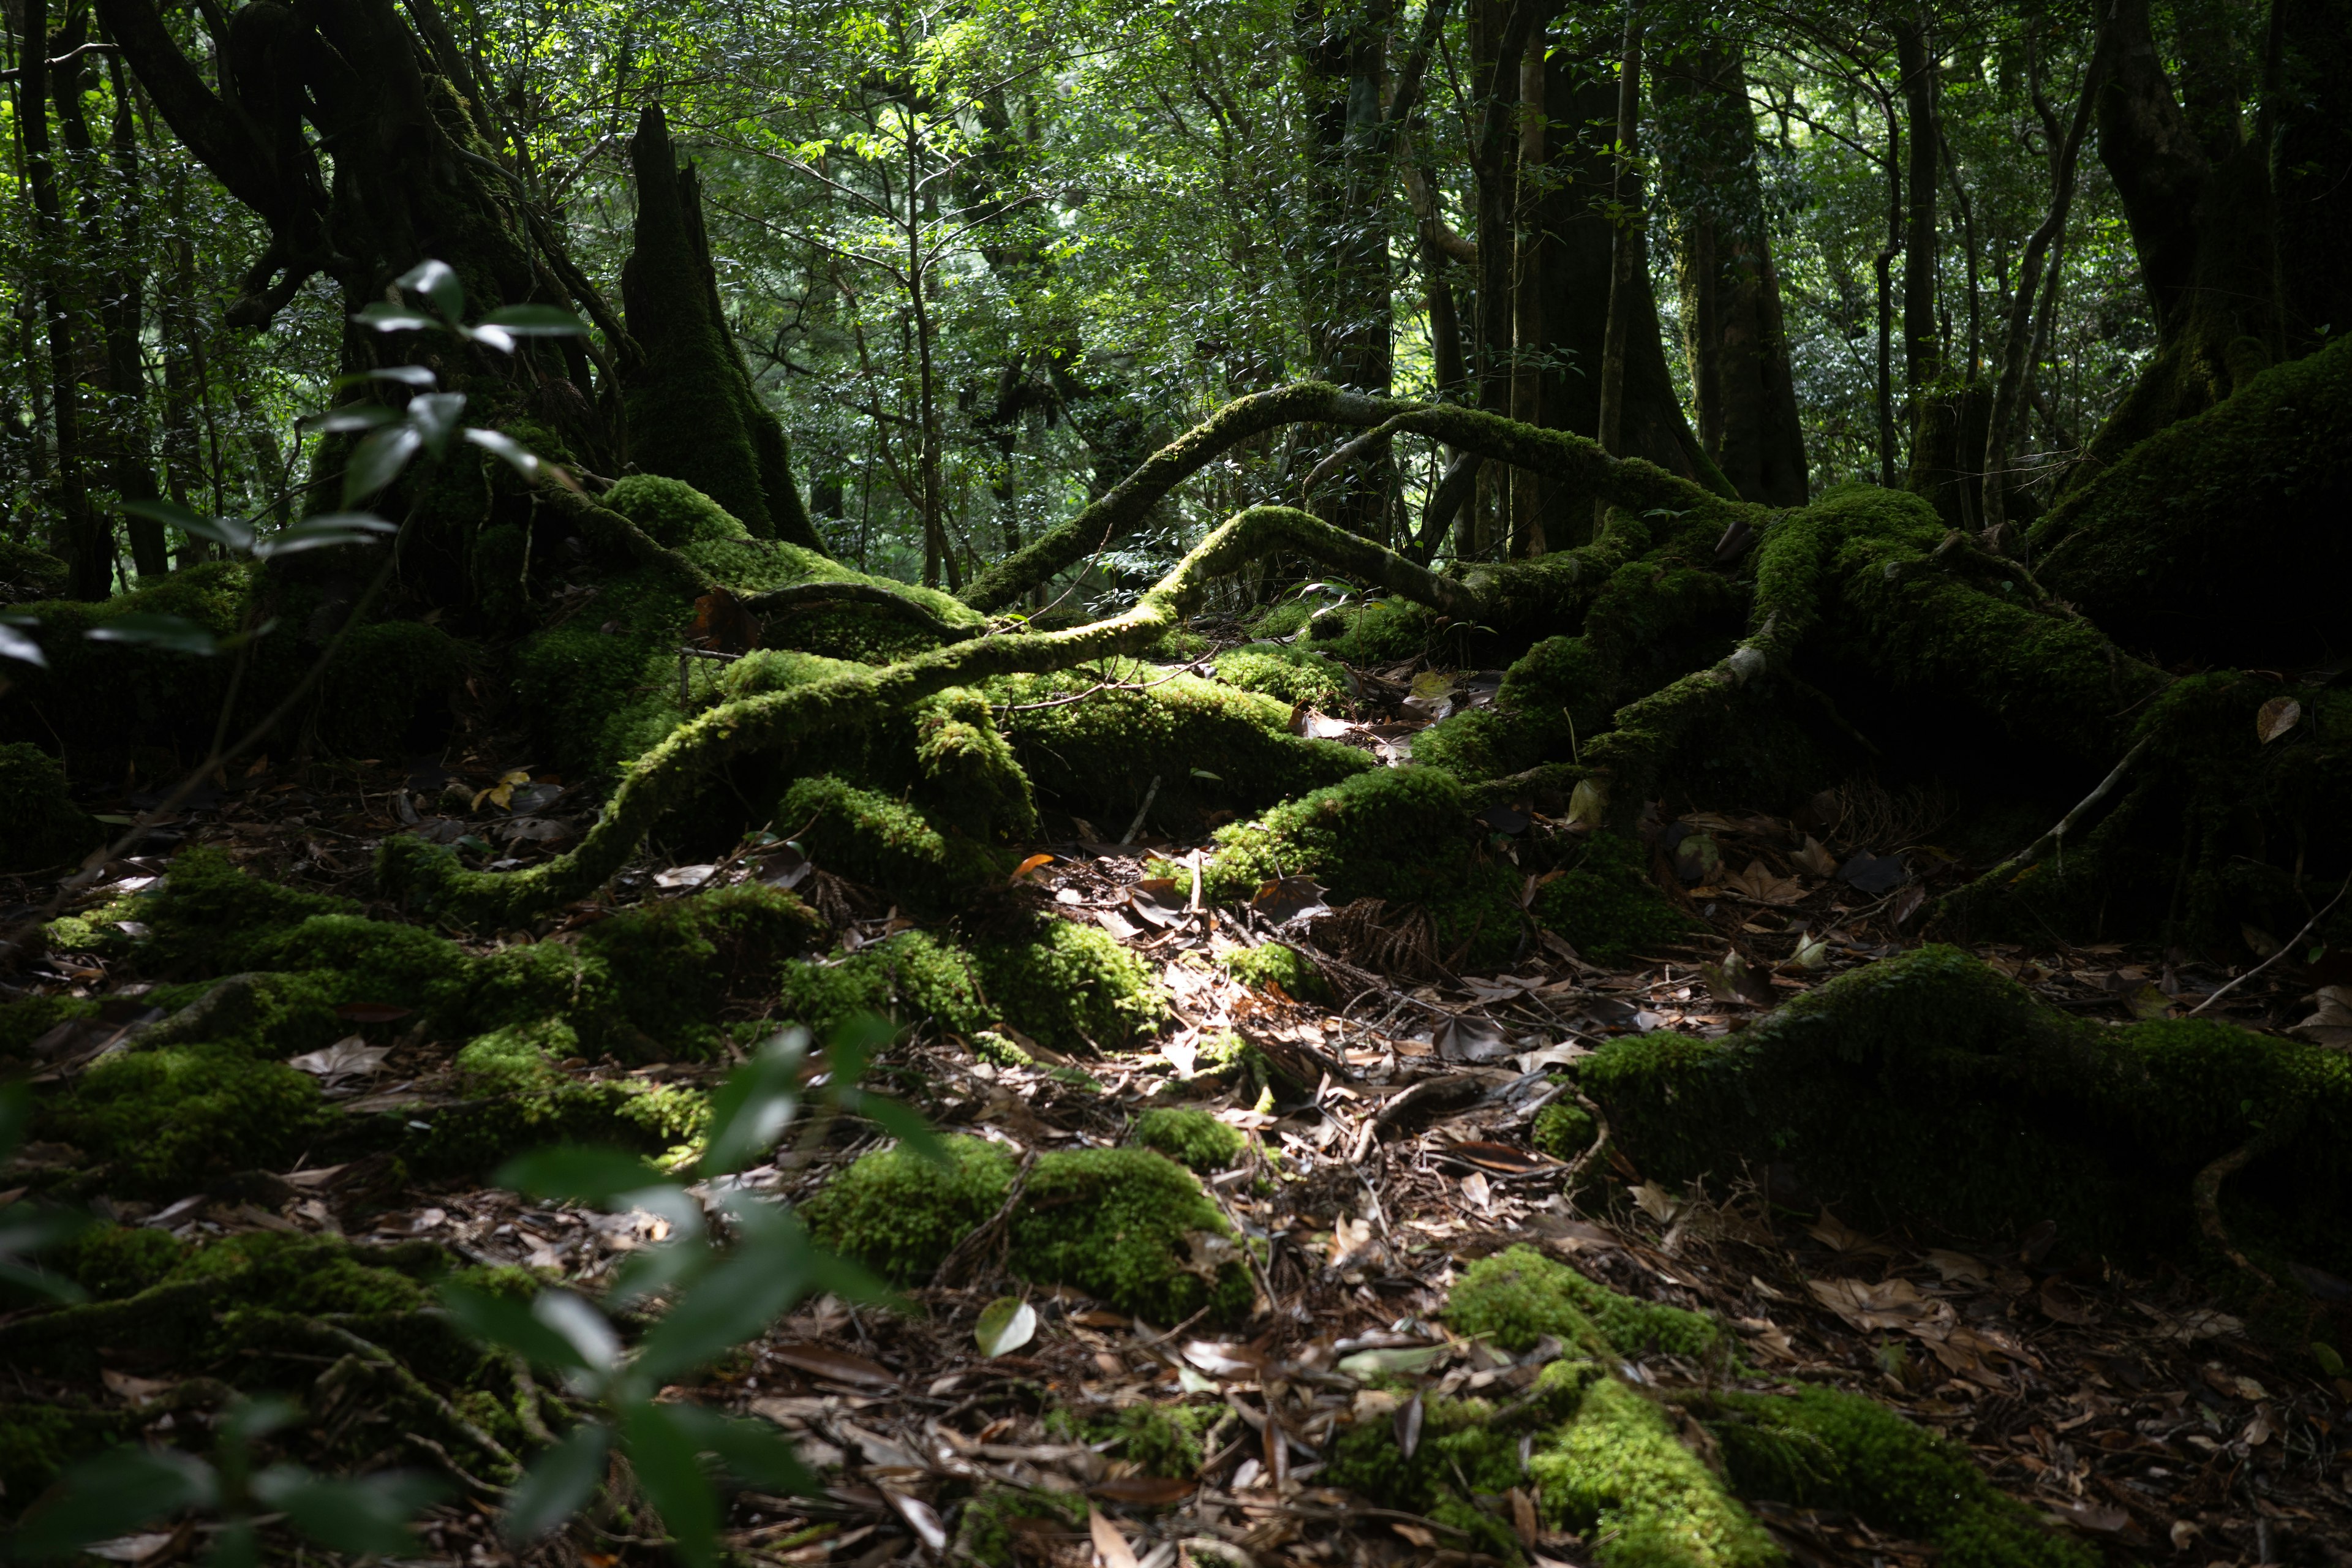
(1111, 1549)
(1814, 860)
(1759, 883)
(2276, 718)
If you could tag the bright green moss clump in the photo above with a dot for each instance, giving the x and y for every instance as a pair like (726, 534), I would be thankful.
(1126, 1226)
(1822, 1448)
(1071, 986)
(1164, 1440)
(993, 1518)
(1131, 1228)
(1519, 1295)
(1207, 743)
(1194, 1139)
(1295, 675)
(1563, 1130)
(45, 827)
(168, 1121)
(1397, 834)
(1618, 1472)
(911, 977)
(886, 843)
(1605, 904)
(674, 963)
(1273, 965)
(899, 1214)
(212, 919)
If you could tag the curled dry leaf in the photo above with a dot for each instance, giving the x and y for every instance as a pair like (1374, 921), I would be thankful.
(820, 1361)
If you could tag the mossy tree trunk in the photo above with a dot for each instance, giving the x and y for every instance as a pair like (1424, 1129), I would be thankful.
(2240, 228)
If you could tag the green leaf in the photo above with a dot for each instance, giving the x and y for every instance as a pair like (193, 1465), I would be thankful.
(559, 1484)
(176, 633)
(755, 1104)
(376, 461)
(510, 1324)
(521, 458)
(415, 375)
(437, 282)
(386, 318)
(662, 1456)
(348, 417)
(902, 1122)
(757, 1284)
(434, 417)
(16, 644)
(222, 530)
(113, 1495)
(328, 528)
(1005, 1325)
(577, 1172)
(752, 1451)
(370, 1514)
(536, 322)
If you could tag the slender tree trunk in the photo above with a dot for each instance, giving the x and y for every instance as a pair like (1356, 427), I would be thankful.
(1630, 264)
(2022, 329)
(1733, 334)
(1883, 267)
(1498, 38)
(88, 539)
(1529, 245)
(1922, 352)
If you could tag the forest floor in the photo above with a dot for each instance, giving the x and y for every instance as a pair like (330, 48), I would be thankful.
(2116, 1400)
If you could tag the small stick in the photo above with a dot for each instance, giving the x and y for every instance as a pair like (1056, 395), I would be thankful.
(2283, 949)
(1141, 811)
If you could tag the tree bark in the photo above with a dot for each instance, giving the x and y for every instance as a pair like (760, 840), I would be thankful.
(1529, 244)
(1735, 339)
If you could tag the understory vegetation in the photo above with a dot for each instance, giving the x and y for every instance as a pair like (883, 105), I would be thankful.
(1308, 784)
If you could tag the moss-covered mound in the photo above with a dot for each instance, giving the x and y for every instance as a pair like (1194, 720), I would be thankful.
(1398, 834)
(1605, 904)
(2252, 492)
(1930, 1087)
(887, 842)
(1128, 1226)
(45, 827)
(1298, 676)
(1207, 743)
(1603, 1458)
(1070, 986)
(1194, 1139)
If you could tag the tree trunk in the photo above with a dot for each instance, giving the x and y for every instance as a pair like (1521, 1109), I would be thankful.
(1732, 326)
(2239, 238)
(86, 540)
(1528, 246)
(1342, 62)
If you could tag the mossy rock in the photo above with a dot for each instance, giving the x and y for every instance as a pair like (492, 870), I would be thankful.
(1071, 986)
(900, 1215)
(1401, 834)
(211, 918)
(167, 1121)
(1518, 1296)
(2220, 539)
(45, 827)
(909, 977)
(28, 573)
(1127, 1226)
(1300, 677)
(1826, 1449)
(674, 963)
(1376, 631)
(1605, 905)
(1194, 1139)
(1208, 744)
(1929, 1087)
(886, 843)
(1273, 965)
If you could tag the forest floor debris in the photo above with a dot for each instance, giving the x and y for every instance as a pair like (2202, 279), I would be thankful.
(2122, 1406)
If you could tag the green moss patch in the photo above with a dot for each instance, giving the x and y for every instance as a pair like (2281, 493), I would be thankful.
(1605, 904)
(1128, 1226)
(1397, 834)
(1273, 965)
(166, 1122)
(910, 977)
(1071, 986)
(1822, 1448)
(900, 1215)
(1928, 1087)
(886, 843)
(1194, 1139)
(1519, 1295)
(1207, 743)
(1298, 676)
